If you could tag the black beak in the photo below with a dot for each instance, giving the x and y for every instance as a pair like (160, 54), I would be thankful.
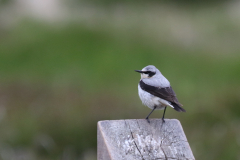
(139, 71)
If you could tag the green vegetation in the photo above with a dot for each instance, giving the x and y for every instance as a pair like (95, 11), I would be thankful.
(57, 82)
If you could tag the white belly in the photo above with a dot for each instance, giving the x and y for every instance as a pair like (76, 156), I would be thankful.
(151, 100)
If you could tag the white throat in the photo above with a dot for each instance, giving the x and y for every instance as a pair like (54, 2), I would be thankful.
(143, 75)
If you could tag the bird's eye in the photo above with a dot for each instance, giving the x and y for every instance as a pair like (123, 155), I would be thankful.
(150, 73)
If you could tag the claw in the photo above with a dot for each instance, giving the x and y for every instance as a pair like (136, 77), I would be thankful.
(163, 120)
(148, 120)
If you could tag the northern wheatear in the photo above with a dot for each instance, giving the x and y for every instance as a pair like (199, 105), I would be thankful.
(156, 92)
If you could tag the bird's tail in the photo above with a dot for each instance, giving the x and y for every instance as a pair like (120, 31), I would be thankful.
(178, 107)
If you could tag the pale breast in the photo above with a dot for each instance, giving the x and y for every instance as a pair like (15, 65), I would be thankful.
(149, 100)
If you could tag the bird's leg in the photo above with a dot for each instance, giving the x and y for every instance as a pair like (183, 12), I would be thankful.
(150, 114)
(164, 114)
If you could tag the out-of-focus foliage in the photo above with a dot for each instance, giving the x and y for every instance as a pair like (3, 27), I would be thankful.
(57, 80)
(180, 2)
(3, 1)
(116, 2)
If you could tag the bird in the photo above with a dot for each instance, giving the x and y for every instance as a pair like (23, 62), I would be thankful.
(156, 92)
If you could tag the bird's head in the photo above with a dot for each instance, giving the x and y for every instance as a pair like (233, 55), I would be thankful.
(148, 71)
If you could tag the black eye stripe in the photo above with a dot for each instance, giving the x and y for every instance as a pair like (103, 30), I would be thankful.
(147, 72)
(150, 73)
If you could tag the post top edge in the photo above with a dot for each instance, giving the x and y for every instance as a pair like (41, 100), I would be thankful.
(137, 119)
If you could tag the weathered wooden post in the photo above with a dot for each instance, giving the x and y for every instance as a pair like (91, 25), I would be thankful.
(134, 139)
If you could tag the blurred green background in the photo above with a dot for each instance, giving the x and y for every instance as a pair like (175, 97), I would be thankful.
(64, 65)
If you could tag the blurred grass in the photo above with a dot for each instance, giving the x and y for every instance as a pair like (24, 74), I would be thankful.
(57, 82)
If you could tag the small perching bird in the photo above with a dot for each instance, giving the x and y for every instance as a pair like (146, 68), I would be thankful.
(156, 92)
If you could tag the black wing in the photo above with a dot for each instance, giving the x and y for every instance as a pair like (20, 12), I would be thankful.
(166, 93)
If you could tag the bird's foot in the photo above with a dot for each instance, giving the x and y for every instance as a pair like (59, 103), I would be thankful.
(148, 120)
(163, 120)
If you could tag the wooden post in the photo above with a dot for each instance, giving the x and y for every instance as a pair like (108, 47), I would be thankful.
(136, 139)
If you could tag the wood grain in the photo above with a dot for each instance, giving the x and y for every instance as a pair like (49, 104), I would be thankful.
(134, 139)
